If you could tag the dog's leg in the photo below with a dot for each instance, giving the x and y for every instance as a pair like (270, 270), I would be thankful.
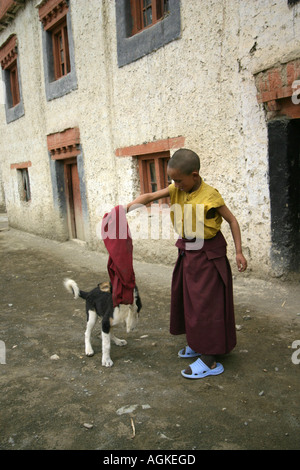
(106, 360)
(117, 341)
(88, 332)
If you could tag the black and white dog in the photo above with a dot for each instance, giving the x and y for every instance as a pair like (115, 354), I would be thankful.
(99, 304)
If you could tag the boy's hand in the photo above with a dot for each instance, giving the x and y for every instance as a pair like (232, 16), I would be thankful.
(241, 262)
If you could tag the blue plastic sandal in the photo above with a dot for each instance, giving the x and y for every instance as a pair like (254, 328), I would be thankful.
(201, 370)
(188, 352)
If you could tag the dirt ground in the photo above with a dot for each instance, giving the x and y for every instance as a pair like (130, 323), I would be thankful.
(142, 402)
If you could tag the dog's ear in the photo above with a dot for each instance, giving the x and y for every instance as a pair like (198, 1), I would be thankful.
(139, 304)
(137, 299)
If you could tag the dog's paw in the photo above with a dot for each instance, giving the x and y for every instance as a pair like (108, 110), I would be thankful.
(107, 362)
(89, 352)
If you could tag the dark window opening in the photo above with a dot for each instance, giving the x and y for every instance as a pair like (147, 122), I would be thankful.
(24, 185)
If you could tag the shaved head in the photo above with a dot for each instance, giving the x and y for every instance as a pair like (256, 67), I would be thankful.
(185, 160)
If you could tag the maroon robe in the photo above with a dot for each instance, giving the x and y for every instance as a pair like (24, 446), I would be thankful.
(202, 297)
(118, 242)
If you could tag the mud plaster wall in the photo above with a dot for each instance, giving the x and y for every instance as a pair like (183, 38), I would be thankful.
(24, 139)
(200, 86)
(2, 196)
(207, 93)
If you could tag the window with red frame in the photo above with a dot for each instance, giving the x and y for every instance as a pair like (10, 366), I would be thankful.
(146, 13)
(61, 53)
(153, 173)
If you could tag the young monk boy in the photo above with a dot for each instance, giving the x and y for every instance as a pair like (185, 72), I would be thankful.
(201, 293)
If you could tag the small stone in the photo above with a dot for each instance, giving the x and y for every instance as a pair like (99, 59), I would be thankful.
(246, 317)
(88, 425)
(238, 327)
(126, 409)
(261, 393)
(54, 357)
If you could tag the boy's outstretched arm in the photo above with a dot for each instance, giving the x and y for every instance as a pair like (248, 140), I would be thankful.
(147, 198)
(236, 234)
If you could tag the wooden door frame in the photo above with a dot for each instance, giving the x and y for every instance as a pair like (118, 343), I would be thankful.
(69, 196)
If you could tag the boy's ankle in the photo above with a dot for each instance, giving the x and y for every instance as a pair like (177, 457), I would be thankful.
(210, 361)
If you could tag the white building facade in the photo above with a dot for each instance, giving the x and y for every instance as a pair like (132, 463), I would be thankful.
(98, 95)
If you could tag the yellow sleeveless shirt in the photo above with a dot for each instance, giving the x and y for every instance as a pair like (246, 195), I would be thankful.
(191, 221)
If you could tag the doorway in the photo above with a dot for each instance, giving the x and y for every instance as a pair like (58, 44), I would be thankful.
(73, 200)
(284, 176)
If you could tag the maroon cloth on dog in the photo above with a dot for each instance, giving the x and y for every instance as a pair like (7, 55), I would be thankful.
(202, 297)
(117, 239)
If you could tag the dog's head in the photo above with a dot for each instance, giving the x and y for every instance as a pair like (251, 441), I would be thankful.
(105, 286)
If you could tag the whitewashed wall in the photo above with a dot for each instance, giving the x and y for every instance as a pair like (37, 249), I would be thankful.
(200, 86)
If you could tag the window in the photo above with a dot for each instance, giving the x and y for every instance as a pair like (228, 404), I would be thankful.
(61, 55)
(11, 77)
(156, 21)
(14, 84)
(58, 48)
(146, 13)
(23, 184)
(23, 180)
(153, 173)
(153, 159)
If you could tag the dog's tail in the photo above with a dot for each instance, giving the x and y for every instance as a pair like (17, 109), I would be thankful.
(72, 287)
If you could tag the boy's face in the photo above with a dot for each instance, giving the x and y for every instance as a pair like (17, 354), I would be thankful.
(183, 182)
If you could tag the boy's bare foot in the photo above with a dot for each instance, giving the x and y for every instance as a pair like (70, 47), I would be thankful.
(210, 361)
